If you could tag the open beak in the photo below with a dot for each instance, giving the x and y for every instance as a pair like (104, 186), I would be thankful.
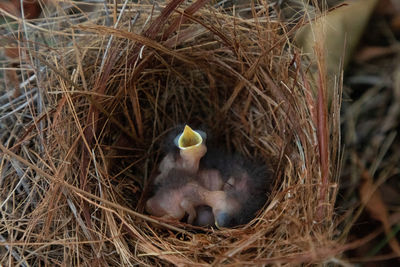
(189, 139)
(192, 147)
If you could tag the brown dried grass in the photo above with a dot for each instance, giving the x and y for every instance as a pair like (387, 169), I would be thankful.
(76, 160)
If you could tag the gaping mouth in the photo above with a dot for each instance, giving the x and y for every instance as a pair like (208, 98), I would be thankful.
(188, 138)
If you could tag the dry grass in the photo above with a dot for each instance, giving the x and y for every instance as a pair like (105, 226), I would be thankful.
(98, 95)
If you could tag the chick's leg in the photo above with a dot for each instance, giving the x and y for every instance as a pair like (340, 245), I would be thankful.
(190, 210)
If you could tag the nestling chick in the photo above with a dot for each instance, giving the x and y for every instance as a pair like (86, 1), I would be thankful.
(184, 152)
(175, 196)
(180, 193)
(246, 182)
(184, 148)
(205, 217)
(219, 188)
(211, 180)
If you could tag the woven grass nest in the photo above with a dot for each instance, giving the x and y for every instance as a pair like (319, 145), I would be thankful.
(107, 96)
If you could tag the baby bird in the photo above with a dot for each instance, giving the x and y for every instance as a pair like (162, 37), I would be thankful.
(184, 152)
(213, 188)
(181, 193)
(205, 217)
(246, 182)
(211, 179)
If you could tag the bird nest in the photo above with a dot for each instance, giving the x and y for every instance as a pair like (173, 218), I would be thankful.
(101, 100)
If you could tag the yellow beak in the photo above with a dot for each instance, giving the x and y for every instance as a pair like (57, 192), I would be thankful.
(192, 148)
(189, 139)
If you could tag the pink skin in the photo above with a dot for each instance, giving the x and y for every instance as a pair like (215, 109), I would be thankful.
(205, 216)
(190, 158)
(220, 202)
(174, 203)
(189, 161)
(208, 189)
(211, 179)
(238, 184)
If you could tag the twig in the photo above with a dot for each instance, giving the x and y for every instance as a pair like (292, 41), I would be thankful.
(14, 253)
(112, 37)
(19, 107)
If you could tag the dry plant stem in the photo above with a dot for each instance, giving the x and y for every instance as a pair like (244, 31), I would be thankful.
(318, 254)
(111, 38)
(372, 200)
(93, 115)
(20, 107)
(322, 131)
(182, 19)
(137, 38)
(82, 192)
(13, 252)
(180, 61)
(309, 97)
(153, 29)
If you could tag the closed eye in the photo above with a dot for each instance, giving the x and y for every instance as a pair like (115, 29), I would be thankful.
(229, 184)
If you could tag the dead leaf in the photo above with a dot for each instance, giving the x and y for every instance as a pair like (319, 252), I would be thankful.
(339, 32)
(11, 52)
(10, 8)
(371, 52)
(32, 8)
(377, 209)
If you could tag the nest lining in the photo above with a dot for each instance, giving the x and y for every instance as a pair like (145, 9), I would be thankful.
(109, 108)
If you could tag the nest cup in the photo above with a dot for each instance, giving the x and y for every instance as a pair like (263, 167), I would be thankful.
(116, 101)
